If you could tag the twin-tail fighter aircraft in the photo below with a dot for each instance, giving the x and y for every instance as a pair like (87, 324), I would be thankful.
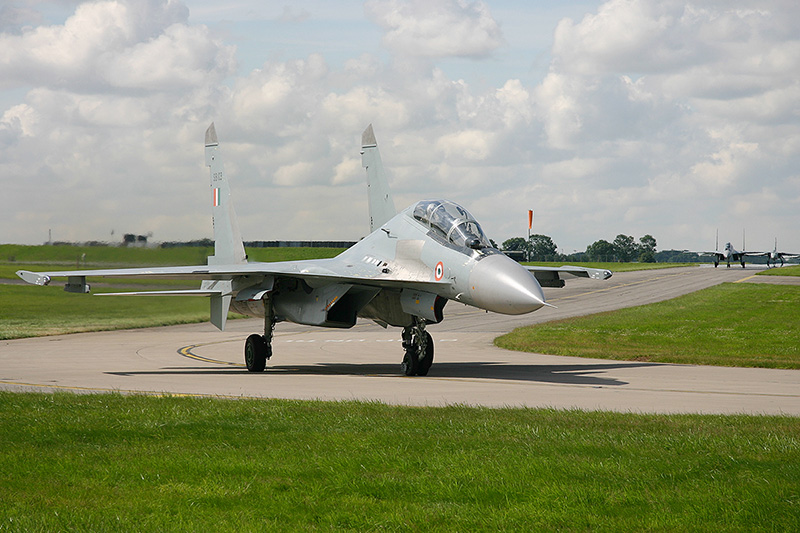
(402, 274)
(774, 256)
(731, 254)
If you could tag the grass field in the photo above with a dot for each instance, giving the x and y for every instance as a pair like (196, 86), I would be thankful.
(110, 462)
(782, 271)
(27, 311)
(135, 463)
(728, 325)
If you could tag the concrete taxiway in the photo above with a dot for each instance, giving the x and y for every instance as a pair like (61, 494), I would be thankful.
(363, 362)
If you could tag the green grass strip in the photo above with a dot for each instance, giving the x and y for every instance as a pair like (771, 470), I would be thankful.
(782, 271)
(27, 311)
(135, 463)
(728, 325)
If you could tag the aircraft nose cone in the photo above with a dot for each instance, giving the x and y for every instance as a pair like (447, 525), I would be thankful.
(502, 285)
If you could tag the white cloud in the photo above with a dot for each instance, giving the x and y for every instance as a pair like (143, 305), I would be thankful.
(178, 58)
(724, 168)
(701, 88)
(654, 117)
(124, 44)
(470, 145)
(363, 104)
(438, 28)
(279, 97)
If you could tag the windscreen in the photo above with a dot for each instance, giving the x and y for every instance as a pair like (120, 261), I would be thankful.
(452, 222)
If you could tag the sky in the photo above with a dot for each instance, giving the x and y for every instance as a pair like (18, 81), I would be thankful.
(670, 118)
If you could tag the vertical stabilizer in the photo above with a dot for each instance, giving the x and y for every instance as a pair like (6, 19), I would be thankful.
(228, 247)
(381, 205)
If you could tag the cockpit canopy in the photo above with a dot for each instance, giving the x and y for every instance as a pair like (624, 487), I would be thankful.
(452, 222)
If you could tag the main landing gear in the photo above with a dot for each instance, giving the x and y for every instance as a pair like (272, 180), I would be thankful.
(258, 348)
(418, 346)
(417, 343)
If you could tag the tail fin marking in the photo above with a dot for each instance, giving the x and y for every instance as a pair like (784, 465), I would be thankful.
(228, 247)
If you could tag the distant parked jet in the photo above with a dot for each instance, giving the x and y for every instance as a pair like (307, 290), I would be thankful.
(774, 256)
(732, 254)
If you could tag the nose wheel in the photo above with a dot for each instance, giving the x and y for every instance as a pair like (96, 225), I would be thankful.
(418, 346)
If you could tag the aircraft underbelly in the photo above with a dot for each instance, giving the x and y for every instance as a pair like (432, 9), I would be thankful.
(332, 306)
(386, 309)
(399, 307)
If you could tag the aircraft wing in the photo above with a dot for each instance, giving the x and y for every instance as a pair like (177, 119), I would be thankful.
(315, 272)
(553, 276)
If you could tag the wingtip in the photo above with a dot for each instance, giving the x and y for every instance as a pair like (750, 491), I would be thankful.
(368, 137)
(33, 278)
(211, 135)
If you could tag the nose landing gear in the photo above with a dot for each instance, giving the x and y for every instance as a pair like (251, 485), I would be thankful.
(418, 346)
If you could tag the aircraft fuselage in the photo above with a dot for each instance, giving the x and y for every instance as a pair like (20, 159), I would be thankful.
(404, 249)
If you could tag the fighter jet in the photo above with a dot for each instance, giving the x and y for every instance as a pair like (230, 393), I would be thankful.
(402, 274)
(774, 256)
(731, 254)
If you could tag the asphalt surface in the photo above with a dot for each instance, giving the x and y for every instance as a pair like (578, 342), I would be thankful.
(363, 362)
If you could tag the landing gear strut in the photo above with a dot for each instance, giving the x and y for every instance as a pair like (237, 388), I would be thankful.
(418, 346)
(258, 348)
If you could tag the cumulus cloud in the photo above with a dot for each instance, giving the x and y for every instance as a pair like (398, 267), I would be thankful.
(706, 66)
(115, 44)
(436, 29)
(107, 97)
(654, 117)
(683, 102)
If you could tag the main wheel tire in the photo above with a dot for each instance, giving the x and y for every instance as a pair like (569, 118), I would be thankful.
(426, 362)
(255, 353)
(410, 364)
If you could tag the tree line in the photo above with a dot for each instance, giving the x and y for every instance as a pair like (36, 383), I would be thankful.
(624, 248)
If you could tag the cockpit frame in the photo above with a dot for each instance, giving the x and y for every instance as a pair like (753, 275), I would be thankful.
(451, 222)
